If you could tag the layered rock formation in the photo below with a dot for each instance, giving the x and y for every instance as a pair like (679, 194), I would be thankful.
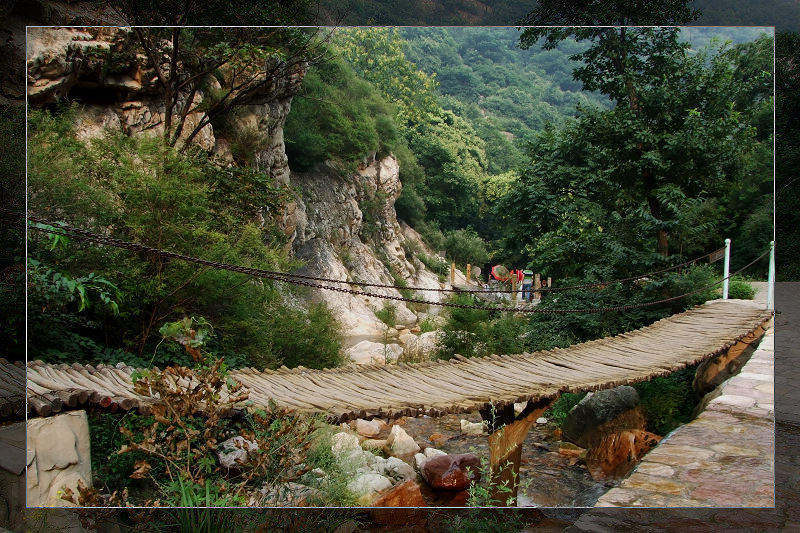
(329, 235)
(343, 224)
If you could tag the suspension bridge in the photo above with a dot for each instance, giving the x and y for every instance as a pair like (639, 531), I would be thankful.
(492, 385)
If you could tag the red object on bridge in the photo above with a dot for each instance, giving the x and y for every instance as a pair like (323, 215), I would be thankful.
(500, 273)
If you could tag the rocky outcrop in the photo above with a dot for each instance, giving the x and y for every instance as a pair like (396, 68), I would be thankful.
(58, 457)
(343, 225)
(126, 97)
(602, 413)
(345, 228)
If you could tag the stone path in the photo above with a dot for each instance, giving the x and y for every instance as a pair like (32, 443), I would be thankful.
(723, 458)
(785, 516)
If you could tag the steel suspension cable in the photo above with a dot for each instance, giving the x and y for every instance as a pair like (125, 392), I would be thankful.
(283, 277)
(95, 237)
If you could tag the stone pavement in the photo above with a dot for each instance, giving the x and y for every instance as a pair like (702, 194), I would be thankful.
(723, 458)
(785, 516)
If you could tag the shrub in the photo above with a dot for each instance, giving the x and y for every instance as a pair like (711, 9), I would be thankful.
(668, 402)
(561, 407)
(432, 235)
(387, 315)
(465, 246)
(740, 289)
(298, 337)
(436, 265)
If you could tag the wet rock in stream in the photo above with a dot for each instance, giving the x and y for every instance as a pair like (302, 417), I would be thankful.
(548, 478)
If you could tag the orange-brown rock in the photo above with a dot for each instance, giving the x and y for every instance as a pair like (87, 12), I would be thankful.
(571, 452)
(616, 454)
(403, 496)
(451, 472)
(437, 439)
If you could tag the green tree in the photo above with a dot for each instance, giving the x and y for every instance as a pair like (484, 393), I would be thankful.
(659, 134)
(229, 66)
(600, 183)
(620, 60)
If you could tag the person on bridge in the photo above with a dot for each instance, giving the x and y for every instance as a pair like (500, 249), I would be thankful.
(527, 282)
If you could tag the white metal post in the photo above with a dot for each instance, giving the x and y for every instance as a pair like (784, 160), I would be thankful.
(726, 269)
(771, 276)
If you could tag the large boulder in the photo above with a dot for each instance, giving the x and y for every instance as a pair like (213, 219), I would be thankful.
(616, 454)
(419, 347)
(368, 352)
(367, 485)
(367, 428)
(406, 495)
(400, 443)
(451, 472)
(603, 413)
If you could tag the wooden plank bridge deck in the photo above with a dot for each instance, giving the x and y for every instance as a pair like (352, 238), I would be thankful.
(434, 388)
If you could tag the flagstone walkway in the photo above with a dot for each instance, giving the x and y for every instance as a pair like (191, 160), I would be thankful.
(723, 458)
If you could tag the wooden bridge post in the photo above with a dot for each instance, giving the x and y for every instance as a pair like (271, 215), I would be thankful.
(452, 273)
(469, 273)
(537, 284)
(514, 288)
(507, 432)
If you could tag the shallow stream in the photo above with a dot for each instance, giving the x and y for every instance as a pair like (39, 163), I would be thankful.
(548, 479)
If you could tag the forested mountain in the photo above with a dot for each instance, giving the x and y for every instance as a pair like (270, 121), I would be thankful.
(516, 91)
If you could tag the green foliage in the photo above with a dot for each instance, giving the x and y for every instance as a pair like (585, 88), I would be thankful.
(143, 191)
(402, 287)
(485, 78)
(561, 407)
(436, 265)
(594, 188)
(740, 289)
(298, 337)
(427, 325)
(333, 489)
(478, 332)
(668, 402)
(377, 56)
(563, 329)
(465, 246)
(338, 116)
(387, 314)
(484, 493)
(109, 468)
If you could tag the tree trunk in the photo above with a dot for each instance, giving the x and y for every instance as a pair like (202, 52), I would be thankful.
(663, 243)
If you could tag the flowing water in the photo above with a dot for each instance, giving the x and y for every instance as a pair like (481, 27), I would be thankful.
(548, 479)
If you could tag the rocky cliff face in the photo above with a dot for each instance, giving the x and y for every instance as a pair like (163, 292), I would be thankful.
(346, 228)
(343, 226)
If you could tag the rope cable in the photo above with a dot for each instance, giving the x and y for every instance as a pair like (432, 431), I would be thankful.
(291, 278)
(601, 284)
